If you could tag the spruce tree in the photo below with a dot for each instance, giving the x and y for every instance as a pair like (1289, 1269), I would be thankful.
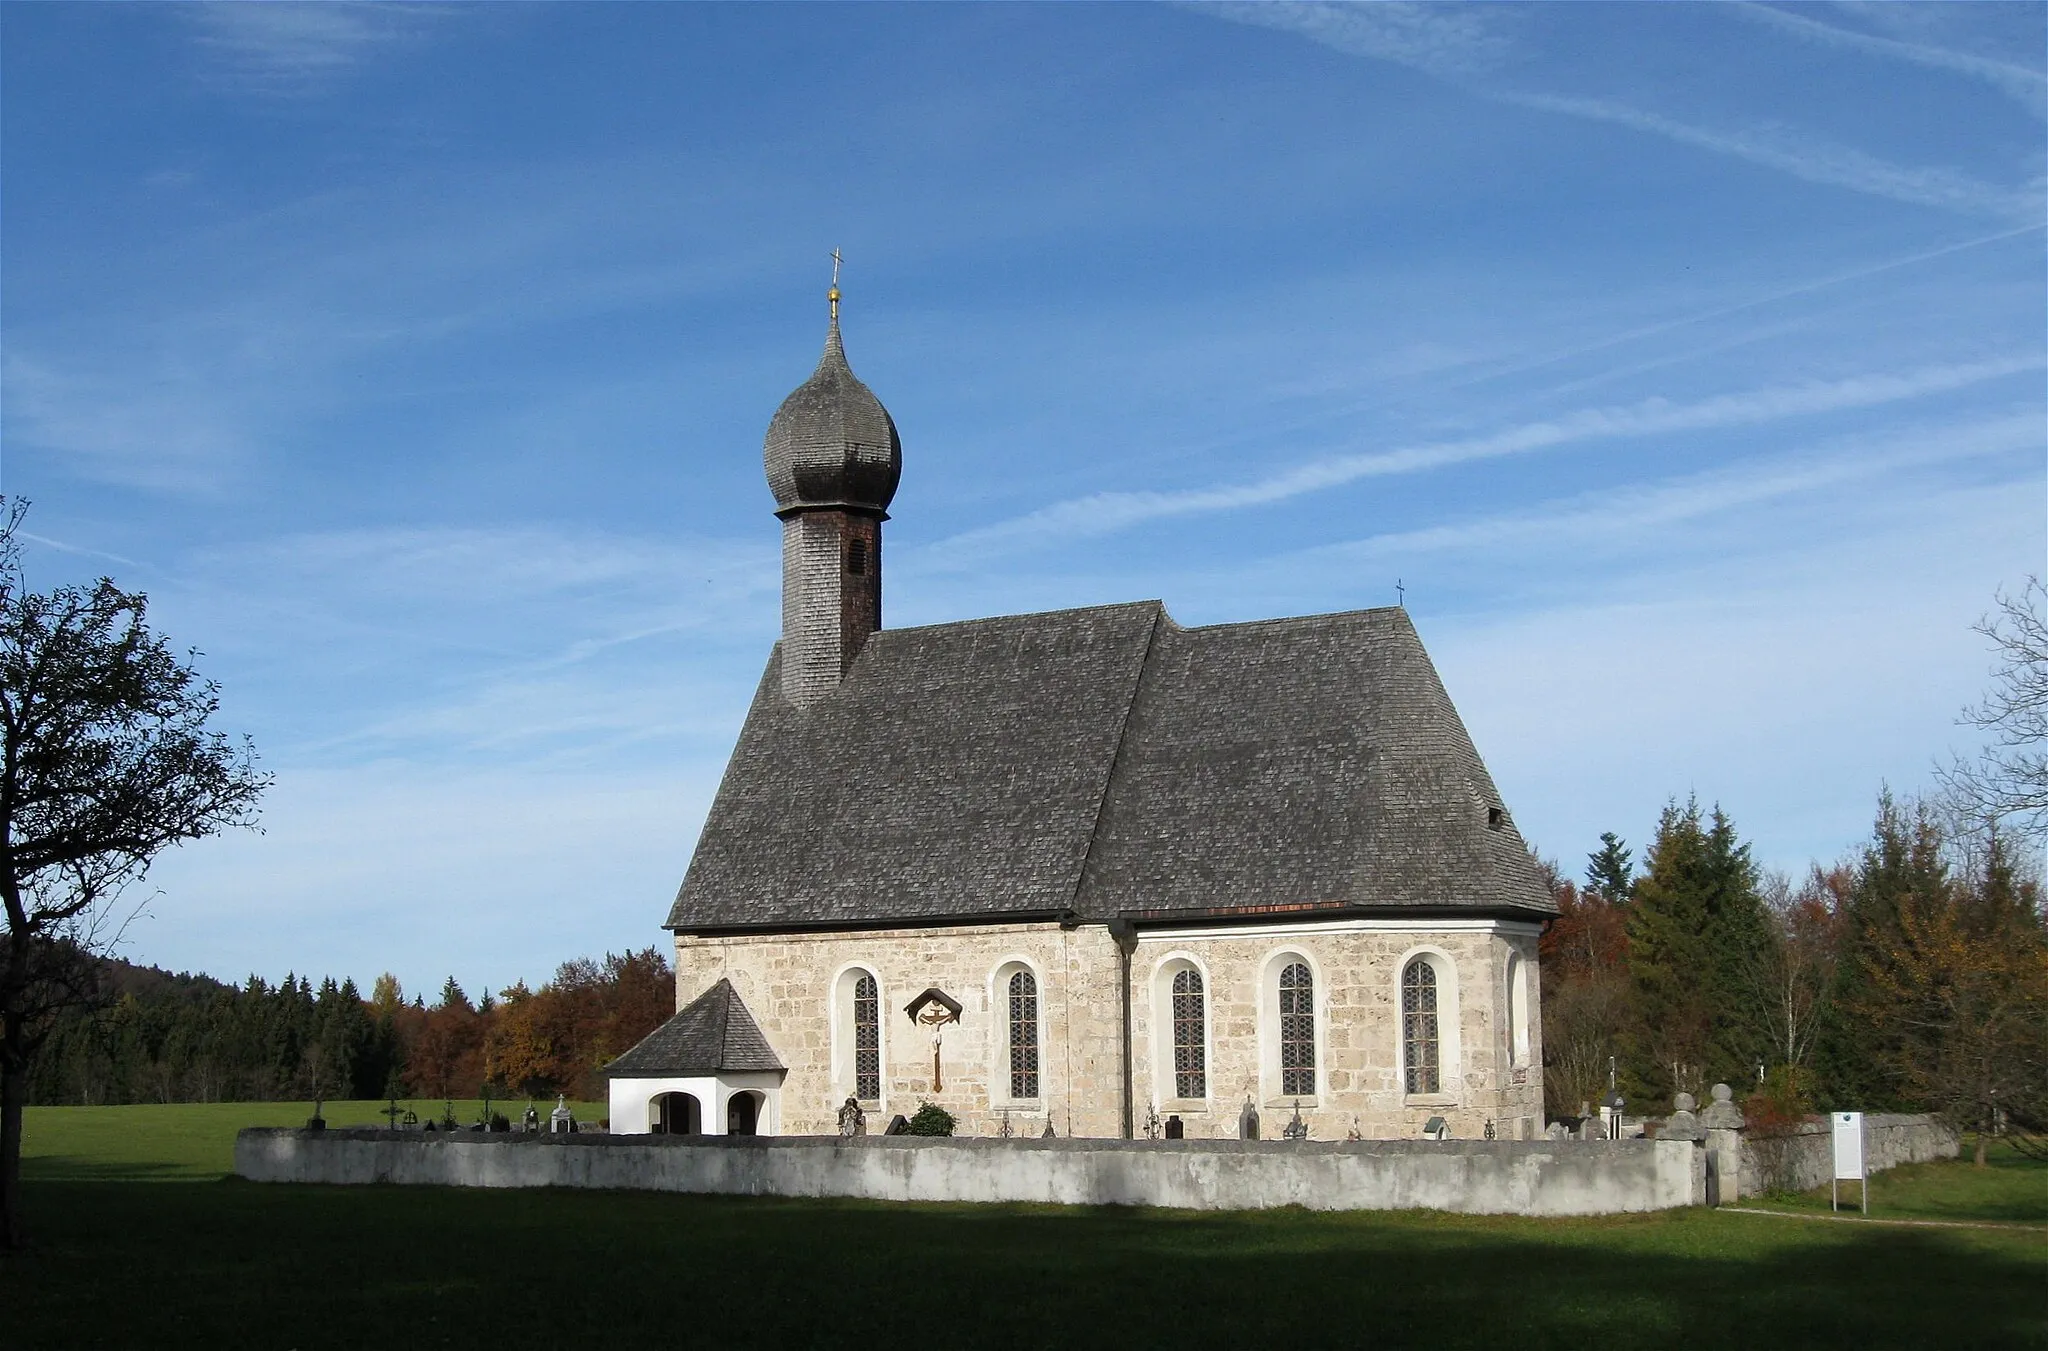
(1611, 871)
(1903, 859)
(1738, 942)
(1668, 959)
(1697, 933)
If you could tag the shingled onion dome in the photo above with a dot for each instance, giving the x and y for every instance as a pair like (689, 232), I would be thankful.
(832, 444)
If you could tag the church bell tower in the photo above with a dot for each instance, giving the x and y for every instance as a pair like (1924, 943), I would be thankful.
(833, 459)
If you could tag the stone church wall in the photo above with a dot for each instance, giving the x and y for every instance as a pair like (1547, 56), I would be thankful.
(1357, 967)
(795, 985)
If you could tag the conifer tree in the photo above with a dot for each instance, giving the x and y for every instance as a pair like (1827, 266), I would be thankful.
(1900, 868)
(1697, 927)
(1611, 870)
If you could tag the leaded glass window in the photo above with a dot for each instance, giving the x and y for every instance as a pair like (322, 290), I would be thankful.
(1190, 1054)
(867, 1039)
(1297, 1031)
(1023, 1035)
(1419, 1027)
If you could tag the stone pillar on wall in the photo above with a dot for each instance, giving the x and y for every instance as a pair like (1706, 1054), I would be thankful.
(1722, 1124)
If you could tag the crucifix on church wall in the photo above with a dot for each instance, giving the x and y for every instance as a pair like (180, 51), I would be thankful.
(934, 1009)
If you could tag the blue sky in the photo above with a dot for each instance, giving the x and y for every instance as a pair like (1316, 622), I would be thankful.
(1686, 365)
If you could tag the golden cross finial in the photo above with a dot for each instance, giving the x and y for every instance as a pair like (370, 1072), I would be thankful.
(833, 294)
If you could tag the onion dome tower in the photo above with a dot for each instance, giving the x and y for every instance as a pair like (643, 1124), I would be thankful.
(833, 459)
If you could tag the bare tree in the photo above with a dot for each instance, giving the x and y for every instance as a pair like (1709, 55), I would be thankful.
(106, 762)
(1791, 976)
(2008, 781)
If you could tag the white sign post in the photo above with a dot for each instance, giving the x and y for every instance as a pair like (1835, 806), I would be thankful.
(1848, 1159)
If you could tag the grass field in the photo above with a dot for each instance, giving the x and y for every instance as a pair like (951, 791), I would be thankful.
(2009, 1190)
(121, 1262)
(195, 1142)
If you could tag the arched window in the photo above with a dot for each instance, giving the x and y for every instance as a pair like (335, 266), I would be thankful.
(1419, 1040)
(1297, 1030)
(867, 1039)
(1023, 1035)
(1190, 1056)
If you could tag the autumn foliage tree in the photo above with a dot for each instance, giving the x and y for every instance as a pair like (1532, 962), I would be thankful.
(1958, 984)
(557, 1039)
(444, 1046)
(1584, 956)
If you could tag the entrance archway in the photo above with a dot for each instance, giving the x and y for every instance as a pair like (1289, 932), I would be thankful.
(678, 1114)
(742, 1113)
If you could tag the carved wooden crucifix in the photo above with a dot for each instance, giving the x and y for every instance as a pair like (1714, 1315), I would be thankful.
(934, 1009)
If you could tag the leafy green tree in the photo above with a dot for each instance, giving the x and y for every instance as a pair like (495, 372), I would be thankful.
(105, 761)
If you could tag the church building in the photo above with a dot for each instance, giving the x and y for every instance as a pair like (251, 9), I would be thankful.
(1088, 871)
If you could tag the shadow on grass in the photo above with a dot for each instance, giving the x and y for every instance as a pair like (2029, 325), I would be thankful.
(241, 1264)
(77, 1168)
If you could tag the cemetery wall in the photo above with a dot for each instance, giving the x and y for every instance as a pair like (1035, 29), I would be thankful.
(1805, 1157)
(1537, 1177)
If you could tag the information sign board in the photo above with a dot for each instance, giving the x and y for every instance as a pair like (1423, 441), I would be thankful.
(1848, 1156)
(1849, 1146)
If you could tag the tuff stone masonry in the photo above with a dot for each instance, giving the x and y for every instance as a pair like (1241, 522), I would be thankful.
(1088, 870)
(790, 983)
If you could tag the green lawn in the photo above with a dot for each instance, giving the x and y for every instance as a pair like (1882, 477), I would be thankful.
(195, 1142)
(2009, 1189)
(124, 1263)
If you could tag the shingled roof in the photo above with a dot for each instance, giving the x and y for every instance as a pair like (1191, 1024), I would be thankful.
(713, 1032)
(1107, 762)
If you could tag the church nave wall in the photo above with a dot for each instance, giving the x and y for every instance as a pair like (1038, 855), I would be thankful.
(800, 988)
(1487, 1071)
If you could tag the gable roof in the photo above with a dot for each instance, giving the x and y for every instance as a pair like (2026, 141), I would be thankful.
(1107, 762)
(712, 1032)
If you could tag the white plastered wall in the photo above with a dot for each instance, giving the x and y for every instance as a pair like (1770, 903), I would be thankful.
(632, 1100)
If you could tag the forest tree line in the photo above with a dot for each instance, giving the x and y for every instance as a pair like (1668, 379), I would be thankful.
(158, 1037)
(1912, 975)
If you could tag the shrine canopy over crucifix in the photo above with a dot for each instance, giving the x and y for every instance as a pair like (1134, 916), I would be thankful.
(933, 1008)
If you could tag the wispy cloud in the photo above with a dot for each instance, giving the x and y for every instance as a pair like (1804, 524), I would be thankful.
(291, 49)
(1637, 334)
(2028, 88)
(541, 642)
(167, 432)
(1101, 513)
(1633, 512)
(1451, 42)
(1815, 158)
(1459, 46)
